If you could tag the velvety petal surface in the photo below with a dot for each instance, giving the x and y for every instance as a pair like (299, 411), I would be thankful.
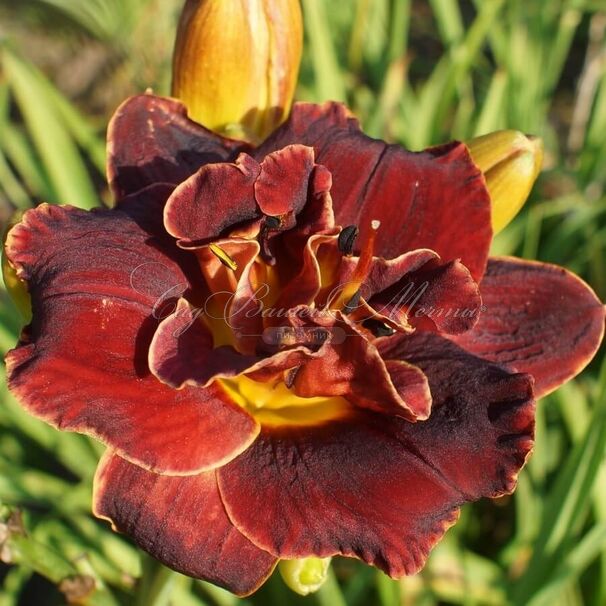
(539, 318)
(151, 140)
(433, 199)
(182, 353)
(223, 196)
(380, 488)
(215, 198)
(99, 283)
(348, 365)
(181, 522)
(418, 289)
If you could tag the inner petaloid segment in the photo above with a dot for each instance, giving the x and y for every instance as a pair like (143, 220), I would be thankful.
(292, 307)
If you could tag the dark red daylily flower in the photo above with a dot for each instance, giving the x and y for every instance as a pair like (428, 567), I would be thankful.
(292, 350)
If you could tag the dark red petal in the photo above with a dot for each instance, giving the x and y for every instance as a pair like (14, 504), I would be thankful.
(99, 282)
(440, 296)
(412, 385)
(282, 186)
(489, 410)
(182, 353)
(433, 199)
(418, 289)
(151, 140)
(378, 487)
(181, 522)
(303, 286)
(352, 367)
(539, 318)
(215, 198)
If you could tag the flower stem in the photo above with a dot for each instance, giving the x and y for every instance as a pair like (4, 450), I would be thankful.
(156, 584)
(330, 593)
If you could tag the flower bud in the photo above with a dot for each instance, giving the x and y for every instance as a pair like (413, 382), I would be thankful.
(16, 288)
(511, 162)
(304, 576)
(236, 64)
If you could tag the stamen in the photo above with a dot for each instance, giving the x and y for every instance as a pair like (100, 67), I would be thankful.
(353, 303)
(378, 328)
(347, 239)
(290, 376)
(346, 300)
(223, 257)
(272, 222)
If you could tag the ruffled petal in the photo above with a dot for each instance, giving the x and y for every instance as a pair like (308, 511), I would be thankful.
(100, 283)
(221, 199)
(539, 318)
(182, 353)
(181, 522)
(283, 185)
(215, 198)
(348, 365)
(418, 289)
(434, 199)
(380, 488)
(151, 140)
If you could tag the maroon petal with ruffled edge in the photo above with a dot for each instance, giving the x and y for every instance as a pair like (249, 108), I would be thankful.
(378, 487)
(539, 318)
(99, 282)
(215, 198)
(348, 365)
(151, 140)
(181, 353)
(283, 184)
(181, 522)
(433, 199)
(419, 290)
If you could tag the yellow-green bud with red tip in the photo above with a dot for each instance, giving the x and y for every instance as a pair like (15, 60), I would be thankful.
(511, 162)
(236, 64)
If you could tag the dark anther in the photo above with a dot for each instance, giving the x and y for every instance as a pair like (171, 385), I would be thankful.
(347, 239)
(272, 222)
(377, 328)
(291, 375)
(352, 304)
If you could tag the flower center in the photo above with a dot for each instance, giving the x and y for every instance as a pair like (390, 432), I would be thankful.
(274, 404)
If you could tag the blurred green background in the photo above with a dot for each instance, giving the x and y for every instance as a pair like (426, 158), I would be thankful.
(416, 72)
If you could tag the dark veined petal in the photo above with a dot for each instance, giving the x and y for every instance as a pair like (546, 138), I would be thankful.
(434, 199)
(223, 196)
(348, 365)
(488, 409)
(380, 488)
(539, 318)
(99, 282)
(182, 353)
(151, 140)
(420, 290)
(215, 198)
(180, 521)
